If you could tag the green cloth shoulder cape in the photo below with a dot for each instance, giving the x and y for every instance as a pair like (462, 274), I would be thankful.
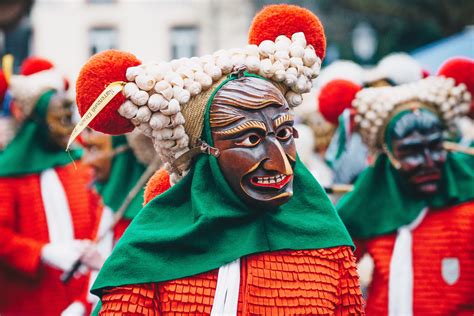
(200, 224)
(382, 201)
(124, 174)
(28, 153)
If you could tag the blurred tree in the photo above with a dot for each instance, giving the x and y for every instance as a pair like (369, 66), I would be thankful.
(401, 25)
(15, 29)
(11, 12)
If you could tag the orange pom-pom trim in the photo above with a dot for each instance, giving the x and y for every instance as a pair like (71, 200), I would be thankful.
(101, 70)
(284, 19)
(33, 65)
(158, 183)
(336, 96)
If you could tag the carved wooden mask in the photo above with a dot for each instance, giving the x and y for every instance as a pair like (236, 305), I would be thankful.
(252, 126)
(59, 120)
(417, 142)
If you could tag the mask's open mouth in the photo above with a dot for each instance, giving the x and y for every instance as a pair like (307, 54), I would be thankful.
(274, 182)
(424, 177)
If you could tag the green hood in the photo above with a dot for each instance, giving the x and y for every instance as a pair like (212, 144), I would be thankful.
(28, 152)
(382, 201)
(200, 224)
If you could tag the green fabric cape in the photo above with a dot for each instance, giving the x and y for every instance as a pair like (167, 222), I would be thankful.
(28, 152)
(382, 201)
(124, 174)
(200, 224)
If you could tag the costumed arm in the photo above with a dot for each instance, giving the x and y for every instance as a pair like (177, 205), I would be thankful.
(350, 297)
(17, 251)
(139, 299)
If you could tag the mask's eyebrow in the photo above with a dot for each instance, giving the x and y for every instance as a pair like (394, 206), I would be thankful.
(435, 137)
(253, 124)
(282, 119)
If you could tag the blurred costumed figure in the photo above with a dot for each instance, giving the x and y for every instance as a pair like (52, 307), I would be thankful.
(412, 211)
(47, 214)
(307, 146)
(8, 125)
(347, 155)
(118, 163)
(230, 236)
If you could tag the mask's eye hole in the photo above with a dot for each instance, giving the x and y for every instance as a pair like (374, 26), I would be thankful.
(285, 133)
(250, 141)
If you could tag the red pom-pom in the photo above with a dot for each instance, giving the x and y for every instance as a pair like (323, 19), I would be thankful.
(158, 183)
(3, 87)
(336, 96)
(101, 70)
(425, 73)
(461, 69)
(32, 65)
(284, 19)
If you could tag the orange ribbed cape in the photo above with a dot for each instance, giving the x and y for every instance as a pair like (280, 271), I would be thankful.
(305, 282)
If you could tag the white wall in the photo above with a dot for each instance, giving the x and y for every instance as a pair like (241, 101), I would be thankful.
(61, 27)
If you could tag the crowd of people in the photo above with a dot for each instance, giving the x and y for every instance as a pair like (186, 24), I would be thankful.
(197, 186)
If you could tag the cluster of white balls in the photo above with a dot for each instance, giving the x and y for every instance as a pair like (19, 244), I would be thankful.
(157, 91)
(375, 106)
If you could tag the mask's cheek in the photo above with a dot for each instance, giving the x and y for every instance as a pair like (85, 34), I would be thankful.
(235, 163)
(411, 163)
(439, 157)
(290, 149)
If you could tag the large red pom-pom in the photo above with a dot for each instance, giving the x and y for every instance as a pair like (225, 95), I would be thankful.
(285, 19)
(461, 69)
(336, 96)
(158, 183)
(101, 70)
(32, 65)
(3, 87)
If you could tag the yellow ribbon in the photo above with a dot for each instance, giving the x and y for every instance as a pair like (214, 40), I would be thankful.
(102, 100)
(7, 66)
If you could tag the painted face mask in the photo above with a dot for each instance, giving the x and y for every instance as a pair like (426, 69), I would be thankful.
(417, 144)
(98, 153)
(59, 121)
(252, 127)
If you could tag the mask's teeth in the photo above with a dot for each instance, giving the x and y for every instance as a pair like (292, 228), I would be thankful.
(270, 180)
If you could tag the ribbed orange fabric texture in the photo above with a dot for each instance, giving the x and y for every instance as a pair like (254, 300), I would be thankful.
(26, 286)
(306, 282)
(444, 235)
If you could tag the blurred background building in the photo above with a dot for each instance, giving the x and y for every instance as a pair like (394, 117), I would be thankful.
(68, 32)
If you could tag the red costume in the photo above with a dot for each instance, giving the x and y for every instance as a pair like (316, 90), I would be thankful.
(47, 209)
(27, 287)
(444, 235)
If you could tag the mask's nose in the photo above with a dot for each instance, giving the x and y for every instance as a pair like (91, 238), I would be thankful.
(277, 159)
